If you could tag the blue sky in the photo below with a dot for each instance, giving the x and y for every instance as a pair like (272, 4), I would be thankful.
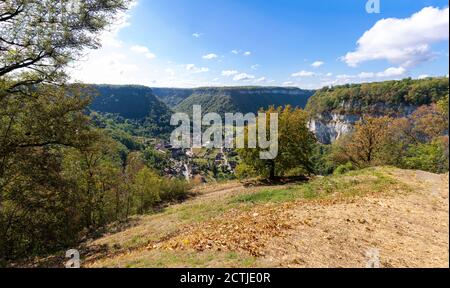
(308, 44)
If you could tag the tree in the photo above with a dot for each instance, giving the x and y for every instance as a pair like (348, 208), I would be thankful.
(40, 37)
(295, 144)
(146, 188)
(364, 145)
(42, 123)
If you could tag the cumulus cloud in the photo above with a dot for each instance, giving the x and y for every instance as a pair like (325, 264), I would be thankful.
(236, 52)
(210, 56)
(243, 77)
(255, 67)
(228, 73)
(304, 73)
(262, 79)
(197, 35)
(404, 42)
(392, 72)
(365, 75)
(317, 64)
(247, 53)
(194, 69)
(143, 50)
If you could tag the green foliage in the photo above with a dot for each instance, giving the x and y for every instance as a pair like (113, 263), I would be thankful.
(244, 171)
(172, 96)
(419, 141)
(223, 100)
(133, 109)
(352, 184)
(366, 98)
(146, 187)
(155, 159)
(295, 145)
(444, 106)
(320, 159)
(40, 37)
(174, 190)
(265, 196)
(428, 157)
(342, 169)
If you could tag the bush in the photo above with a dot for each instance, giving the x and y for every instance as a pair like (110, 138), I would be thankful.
(342, 169)
(173, 190)
(244, 171)
(146, 186)
(429, 157)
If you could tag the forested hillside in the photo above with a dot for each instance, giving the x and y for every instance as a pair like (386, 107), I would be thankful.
(378, 97)
(135, 106)
(243, 99)
(172, 96)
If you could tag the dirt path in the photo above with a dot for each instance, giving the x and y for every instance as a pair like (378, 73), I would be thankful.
(400, 231)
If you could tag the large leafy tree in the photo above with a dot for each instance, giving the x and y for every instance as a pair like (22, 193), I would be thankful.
(295, 144)
(38, 38)
(42, 119)
(365, 144)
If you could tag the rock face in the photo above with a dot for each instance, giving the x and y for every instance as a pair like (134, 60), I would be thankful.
(329, 127)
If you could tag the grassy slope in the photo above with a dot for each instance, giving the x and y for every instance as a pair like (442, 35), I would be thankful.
(327, 222)
(233, 226)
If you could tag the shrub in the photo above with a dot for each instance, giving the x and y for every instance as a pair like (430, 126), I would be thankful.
(244, 171)
(342, 169)
(173, 190)
(146, 186)
(429, 157)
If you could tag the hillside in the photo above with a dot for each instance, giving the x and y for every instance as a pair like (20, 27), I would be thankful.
(172, 96)
(136, 106)
(334, 110)
(327, 222)
(381, 97)
(243, 99)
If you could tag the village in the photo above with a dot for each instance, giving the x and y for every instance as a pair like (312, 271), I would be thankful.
(202, 164)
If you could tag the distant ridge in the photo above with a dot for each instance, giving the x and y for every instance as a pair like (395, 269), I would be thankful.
(233, 99)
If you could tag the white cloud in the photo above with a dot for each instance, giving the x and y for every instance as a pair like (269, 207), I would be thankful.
(210, 56)
(143, 50)
(288, 83)
(392, 72)
(304, 73)
(255, 67)
(228, 73)
(243, 77)
(365, 75)
(262, 79)
(329, 74)
(247, 53)
(317, 64)
(197, 35)
(194, 69)
(423, 76)
(405, 42)
(235, 51)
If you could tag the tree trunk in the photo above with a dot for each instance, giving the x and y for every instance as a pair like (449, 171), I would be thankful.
(272, 170)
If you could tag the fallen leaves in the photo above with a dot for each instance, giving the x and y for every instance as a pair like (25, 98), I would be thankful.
(247, 231)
